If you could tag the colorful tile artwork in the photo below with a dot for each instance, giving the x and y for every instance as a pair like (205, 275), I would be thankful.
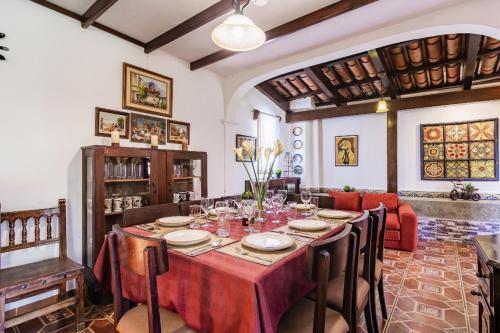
(466, 150)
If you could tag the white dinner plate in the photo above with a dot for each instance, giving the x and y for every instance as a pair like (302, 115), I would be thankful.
(186, 237)
(268, 241)
(213, 212)
(304, 206)
(174, 221)
(333, 214)
(308, 225)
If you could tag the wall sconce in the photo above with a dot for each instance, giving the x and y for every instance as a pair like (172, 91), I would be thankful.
(382, 106)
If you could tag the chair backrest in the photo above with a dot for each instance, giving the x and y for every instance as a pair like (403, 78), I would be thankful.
(380, 214)
(329, 259)
(326, 202)
(39, 218)
(366, 229)
(148, 214)
(184, 206)
(144, 256)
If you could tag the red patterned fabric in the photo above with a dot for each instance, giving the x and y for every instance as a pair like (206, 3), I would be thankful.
(347, 200)
(372, 200)
(214, 292)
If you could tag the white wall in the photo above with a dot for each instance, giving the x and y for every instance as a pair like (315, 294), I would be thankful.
(409, 146)
(56, 74)
(239, 120)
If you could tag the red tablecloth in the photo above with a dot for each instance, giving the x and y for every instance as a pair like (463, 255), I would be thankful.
(215, 292)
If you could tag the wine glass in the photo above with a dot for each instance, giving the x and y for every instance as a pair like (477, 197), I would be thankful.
(207, 204)
(238, 204)
(305, 196)
(248, 212)
(284, 194)
(269, 198)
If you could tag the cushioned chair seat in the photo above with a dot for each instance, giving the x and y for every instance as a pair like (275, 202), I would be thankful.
(378, 267)
(392, 235)
(346, 200)
(136, 321)
(300, 319)
(392, 222)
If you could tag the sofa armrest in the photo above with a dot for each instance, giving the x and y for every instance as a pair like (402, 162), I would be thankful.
(409, 227)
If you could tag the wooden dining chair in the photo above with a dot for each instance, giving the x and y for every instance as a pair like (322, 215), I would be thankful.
(149, 214)
(362, 226)
(147, 258)
(331, 259)
(379, 214)
(184, 206)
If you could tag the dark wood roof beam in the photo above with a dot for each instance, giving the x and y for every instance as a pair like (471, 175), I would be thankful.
(473, 45)
(383, 70)
(308, 20)
(98, 8)
(400, 104)
(268, 90)
(209, 14)
(324, 84)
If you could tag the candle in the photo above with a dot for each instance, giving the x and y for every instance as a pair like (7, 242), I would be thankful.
(154, 140)
(115, 137)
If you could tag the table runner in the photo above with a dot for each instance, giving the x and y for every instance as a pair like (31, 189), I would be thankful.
(215, 292)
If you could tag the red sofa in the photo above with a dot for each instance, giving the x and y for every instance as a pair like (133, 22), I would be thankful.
(401, 230)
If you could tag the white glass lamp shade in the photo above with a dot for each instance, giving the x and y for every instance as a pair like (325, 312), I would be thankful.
(382, 106)
(238, 33)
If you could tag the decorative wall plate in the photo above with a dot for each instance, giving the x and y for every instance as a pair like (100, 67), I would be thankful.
(297, 158)
(298, 144)
(297, 131)
(298, 170)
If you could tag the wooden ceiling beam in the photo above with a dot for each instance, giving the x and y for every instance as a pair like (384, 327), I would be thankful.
(79, 18)
(324, 84)
(98, 8)
(209, 14)
(400, 104)
(383, 71)
(268, 90)
(473, 45)
(320, 15)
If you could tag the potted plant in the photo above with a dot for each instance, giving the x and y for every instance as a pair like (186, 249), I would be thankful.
(347, 188)
(259, 181)
(278, 172)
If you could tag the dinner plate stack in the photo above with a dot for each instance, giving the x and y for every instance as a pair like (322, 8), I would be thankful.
(268, 241)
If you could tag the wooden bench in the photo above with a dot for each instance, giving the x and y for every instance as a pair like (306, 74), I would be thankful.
(21, 282)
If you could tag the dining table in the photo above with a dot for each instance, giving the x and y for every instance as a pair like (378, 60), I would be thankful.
(217, 292)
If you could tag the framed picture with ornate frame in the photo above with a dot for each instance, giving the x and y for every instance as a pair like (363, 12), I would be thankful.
(466, 150)
(239, 140)
(346, 150)
(108, 120)
(178, 130)
(147, 91)
(143, 126)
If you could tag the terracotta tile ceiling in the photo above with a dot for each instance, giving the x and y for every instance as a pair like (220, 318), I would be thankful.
(415, 66)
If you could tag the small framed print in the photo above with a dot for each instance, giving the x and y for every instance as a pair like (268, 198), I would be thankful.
(239, 141)
(106, 121)
(346, 150)
(147, 91)
(142, 127)
(177, 131)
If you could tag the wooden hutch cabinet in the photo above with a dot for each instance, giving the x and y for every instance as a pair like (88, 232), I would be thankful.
(119, 178)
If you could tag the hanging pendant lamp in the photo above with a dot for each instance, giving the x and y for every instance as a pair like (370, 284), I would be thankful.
(238, 32)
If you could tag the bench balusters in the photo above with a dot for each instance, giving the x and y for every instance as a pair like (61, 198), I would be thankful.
(49, 227)
(24, 231)
(37, 229)
(12, 232)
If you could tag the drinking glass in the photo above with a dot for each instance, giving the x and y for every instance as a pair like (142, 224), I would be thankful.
(292, 211)
(248, 211)
(221, 208)
(255, 222)
(284, 194)
(269, 198)
(207, 204)
(313, 210)
(195, 213)
(277, 204)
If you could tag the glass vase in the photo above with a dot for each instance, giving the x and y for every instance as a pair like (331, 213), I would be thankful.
(259, 189)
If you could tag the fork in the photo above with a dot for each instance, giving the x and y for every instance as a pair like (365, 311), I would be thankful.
(246, 253)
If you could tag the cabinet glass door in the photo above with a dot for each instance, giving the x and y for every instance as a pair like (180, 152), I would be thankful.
(186, 179)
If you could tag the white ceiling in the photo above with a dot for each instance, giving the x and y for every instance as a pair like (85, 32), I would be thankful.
(145, 20)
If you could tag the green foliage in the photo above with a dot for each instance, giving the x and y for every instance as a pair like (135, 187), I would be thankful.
(278, 172)
(469, 187)
(121, 122)
(347, 188)
(247, 195)
(141, 91)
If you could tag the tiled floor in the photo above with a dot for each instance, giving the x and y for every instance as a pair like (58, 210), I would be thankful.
(426, 291)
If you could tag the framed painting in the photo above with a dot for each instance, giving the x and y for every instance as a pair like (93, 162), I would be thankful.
(106, 121)
(239, 141)
(346, 150)
(178, 130)
(466, 150)
(146, 91)
(142, 127)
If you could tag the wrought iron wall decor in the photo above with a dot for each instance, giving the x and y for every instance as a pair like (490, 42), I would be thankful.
(4, 48)
(465, 150)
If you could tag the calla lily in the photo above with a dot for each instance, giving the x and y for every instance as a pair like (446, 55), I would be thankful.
(267, 152)
(279, 148)
(239, 153)
(257, 154)
(247, 146)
